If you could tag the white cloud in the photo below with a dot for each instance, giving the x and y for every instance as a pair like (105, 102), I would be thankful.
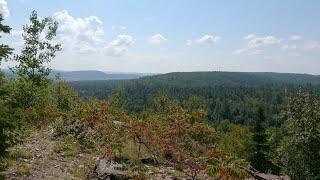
(240, 51)
(249, 51)
(120, 45)
(17, 39)
(293, 54)
(122, 40)
(256, 52)
(16, 33)
(206, 39)
(271, 58)
(4, 9)
(157, 39)
(83, 34)
(116, 51)
(119, 28)
(295, 38)
(189, 43)
(209, 39)
(255, 42)
(250, 36)
(14, 39)
(289, 47)
(312, 45)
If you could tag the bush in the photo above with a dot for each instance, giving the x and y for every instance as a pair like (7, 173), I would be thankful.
(171, 135)
(65, 96)
(9, 120)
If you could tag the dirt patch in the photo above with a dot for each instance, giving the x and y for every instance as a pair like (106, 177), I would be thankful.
(42, 156)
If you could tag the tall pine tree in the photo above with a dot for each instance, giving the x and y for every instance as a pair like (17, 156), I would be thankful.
(259, 158)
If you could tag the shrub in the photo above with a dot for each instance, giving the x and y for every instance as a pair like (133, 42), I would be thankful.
(65, 96)
(171, 135)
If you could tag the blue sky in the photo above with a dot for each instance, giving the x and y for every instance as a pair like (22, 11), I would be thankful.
(178, 35)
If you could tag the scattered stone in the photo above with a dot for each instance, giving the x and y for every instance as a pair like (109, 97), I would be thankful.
(152, 160)
(117, 123)
(79, 130)
(45, 163)
(107, 169)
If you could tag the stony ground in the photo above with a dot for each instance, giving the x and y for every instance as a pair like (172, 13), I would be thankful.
(42, 156)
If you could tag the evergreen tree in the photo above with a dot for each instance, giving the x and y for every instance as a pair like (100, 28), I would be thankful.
(259, 158)
(5, 50)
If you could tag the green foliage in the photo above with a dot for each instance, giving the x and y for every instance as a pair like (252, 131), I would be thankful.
(6, 115)
(300, 150)
(69, 147)
(27, 98)
(5, 50)
(21, 93)
(235, 103)
(9, 119)
(228, 168)
(19, 154)
(22, 169)
(259, 159)
(231, 109)
(65, 96)
(229, 79)
(38, 50)
(31, 91)
(169, 134)
(237, 141)
(8, 123)
(35, 102)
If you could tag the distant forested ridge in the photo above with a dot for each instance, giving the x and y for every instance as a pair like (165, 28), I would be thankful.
(209, 79)
(88, 75)
(229, 79)
(231, 96)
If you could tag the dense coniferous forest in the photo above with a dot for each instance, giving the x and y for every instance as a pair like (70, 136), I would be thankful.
(199, 125)
(226, 95)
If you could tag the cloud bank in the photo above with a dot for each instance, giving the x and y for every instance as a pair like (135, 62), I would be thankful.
(4, 9)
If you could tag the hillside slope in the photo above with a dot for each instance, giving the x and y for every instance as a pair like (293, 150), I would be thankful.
(197, 79)
(88, 75)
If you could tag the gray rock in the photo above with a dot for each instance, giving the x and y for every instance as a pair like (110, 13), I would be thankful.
(107, 169)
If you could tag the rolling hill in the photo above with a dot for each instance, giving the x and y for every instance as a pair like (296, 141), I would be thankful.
(198, 79)
(89, 75)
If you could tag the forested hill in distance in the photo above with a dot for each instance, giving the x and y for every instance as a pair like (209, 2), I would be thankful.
(188, 79)
(96, 75)
(205, 79)
(89, 75)
(193, 83)
(199, 79)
